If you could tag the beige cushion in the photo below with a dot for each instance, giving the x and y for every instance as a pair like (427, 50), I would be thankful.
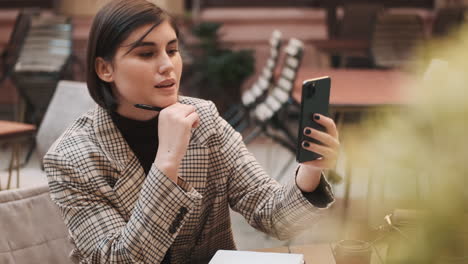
(31, 228)
(70, 101)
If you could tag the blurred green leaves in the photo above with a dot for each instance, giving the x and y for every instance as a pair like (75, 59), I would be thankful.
(219, 71)
(419, 157)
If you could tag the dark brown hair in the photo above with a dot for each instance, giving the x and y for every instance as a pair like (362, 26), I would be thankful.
(111, 26)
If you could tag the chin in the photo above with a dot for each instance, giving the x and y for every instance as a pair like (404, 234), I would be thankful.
(167, 101)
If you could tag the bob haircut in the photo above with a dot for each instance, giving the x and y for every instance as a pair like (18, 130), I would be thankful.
(111, 27)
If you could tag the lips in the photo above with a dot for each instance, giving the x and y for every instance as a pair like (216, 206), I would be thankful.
(165, 84)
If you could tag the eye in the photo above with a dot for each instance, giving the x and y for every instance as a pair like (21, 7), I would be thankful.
(146, 54)
(172, 51)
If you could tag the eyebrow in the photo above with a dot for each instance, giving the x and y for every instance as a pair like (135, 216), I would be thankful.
(146, 43)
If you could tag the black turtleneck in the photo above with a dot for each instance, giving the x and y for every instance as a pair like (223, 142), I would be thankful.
(142, 137)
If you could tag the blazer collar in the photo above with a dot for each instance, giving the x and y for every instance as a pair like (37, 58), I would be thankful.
(111, 140)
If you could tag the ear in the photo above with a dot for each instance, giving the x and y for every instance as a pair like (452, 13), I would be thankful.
(104, 69)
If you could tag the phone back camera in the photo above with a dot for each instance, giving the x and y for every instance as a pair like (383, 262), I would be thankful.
(311, 90)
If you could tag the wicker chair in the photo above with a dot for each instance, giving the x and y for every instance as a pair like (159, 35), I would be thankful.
(267, 113)
(238, 115)
(262, 84)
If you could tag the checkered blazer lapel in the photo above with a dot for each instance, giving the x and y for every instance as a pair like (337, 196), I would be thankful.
(122, 158)
(193, 168)
(111, 140)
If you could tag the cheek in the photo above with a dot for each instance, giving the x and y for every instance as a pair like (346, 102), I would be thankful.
(129, 77)
(178, 65)
(132, 73)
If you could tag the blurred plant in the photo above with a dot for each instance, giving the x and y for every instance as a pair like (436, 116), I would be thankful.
(219, 72)
(426, 144)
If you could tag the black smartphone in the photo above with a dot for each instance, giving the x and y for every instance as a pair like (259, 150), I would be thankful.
(315, 100)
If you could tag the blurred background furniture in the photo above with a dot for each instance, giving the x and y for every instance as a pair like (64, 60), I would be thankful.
(447, 20)
(13, 48)
(238, 115)
(266, 114)
(15, 134)
(332, 5)
(270, 117)
(42, 62)
(10, 54)
(395, 39)
(354, 31)
(32, 228)
(266, 78)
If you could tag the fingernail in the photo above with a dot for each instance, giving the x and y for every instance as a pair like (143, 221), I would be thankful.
(317, 117)
(306, 144)
(308, 131)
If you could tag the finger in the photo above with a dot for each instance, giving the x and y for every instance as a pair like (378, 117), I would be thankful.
(187, 109)
(328, 123)
(325, 151)
(323, 137)
(197, 123)
(193, 119)
(182, 109)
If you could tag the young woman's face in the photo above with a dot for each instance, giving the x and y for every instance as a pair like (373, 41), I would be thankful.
(148, 73)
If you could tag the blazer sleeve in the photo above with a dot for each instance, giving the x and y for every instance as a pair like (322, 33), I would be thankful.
(281, 211)
(99, 231)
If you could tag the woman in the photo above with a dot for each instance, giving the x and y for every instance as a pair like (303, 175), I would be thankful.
(139, 186)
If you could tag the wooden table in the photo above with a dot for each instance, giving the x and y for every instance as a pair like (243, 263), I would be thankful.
(13, 133)
(359, 89)
(313, 253)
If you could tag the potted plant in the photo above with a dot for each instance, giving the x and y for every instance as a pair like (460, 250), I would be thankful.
(218, 72)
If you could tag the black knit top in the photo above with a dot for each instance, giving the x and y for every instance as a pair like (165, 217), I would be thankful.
(141, 136)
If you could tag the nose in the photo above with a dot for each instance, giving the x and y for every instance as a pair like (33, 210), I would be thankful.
(166, 65)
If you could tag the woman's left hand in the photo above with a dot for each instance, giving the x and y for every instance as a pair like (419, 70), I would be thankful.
(309, 173)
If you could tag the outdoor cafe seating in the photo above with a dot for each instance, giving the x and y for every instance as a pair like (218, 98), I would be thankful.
(365, 47)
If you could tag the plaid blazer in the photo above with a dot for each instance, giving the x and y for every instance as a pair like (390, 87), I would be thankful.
(117, 214)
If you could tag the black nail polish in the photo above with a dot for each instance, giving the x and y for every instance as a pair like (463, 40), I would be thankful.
(306, 144)
(317, 117)
(308, 131)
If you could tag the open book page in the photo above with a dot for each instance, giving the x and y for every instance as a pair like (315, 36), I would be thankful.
(248, 257)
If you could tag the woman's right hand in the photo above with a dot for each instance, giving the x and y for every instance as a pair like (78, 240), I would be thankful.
(174, 132)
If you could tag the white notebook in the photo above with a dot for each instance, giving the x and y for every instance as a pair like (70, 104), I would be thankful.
(248, 257)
